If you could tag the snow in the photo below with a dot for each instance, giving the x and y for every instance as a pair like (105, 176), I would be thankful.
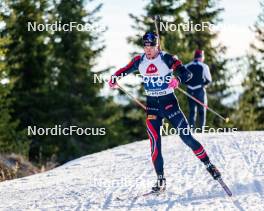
(93, 182)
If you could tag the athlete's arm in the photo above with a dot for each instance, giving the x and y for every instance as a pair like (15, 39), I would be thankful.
(129, 68)
(207, 75)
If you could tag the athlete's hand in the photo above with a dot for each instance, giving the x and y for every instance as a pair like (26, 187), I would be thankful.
(112, 84)
(174, 83)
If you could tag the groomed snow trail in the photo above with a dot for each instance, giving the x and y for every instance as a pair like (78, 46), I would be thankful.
(93, 182)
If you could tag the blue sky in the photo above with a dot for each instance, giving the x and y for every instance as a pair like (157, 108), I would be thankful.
(238, 16)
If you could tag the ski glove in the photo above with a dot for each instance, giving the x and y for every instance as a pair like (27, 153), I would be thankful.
(112, 84)
(174, 83)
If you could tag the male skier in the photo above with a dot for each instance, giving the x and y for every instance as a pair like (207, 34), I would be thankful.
(156, 67)
(196, 87)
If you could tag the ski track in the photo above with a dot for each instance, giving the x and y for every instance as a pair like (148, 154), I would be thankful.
(93, 182)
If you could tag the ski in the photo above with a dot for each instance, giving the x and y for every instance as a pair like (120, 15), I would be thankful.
(225, 187)
(135, 197)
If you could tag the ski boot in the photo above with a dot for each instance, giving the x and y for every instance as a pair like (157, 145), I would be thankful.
(160, 185)
(213, 170)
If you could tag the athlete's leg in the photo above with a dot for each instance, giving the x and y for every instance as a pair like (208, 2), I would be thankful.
(178, 120)
(201, 95)
(154, 123)
(192, 110)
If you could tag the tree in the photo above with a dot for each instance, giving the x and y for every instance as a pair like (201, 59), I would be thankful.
(251, 102)
(75, 98)
(24, 62)
(11, 140)
(51, 76)
(259, 32)
(250, 107)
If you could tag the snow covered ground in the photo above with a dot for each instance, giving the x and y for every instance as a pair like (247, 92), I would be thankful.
(93, 182)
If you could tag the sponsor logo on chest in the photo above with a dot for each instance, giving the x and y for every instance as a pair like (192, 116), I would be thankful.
(152, 70)
(155, 67)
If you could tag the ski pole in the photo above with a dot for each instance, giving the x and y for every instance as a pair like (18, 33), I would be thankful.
(132, 97)
(181, 90)
(204, 105)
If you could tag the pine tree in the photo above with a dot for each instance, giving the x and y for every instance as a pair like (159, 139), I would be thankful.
(51, 81)
(259, 32)
(250, 110)
(74, 96)
(24, 62)
(11, 140)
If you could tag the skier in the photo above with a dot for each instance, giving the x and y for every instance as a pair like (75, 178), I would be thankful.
(157, 69)
(196, 87)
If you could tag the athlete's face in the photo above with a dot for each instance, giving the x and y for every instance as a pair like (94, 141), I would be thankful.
(201, 59)
(151, 51)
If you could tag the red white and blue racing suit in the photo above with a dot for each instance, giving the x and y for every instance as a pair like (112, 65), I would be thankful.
(161, 101)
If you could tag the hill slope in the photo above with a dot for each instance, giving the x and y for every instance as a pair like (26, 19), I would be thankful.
(93, 182)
